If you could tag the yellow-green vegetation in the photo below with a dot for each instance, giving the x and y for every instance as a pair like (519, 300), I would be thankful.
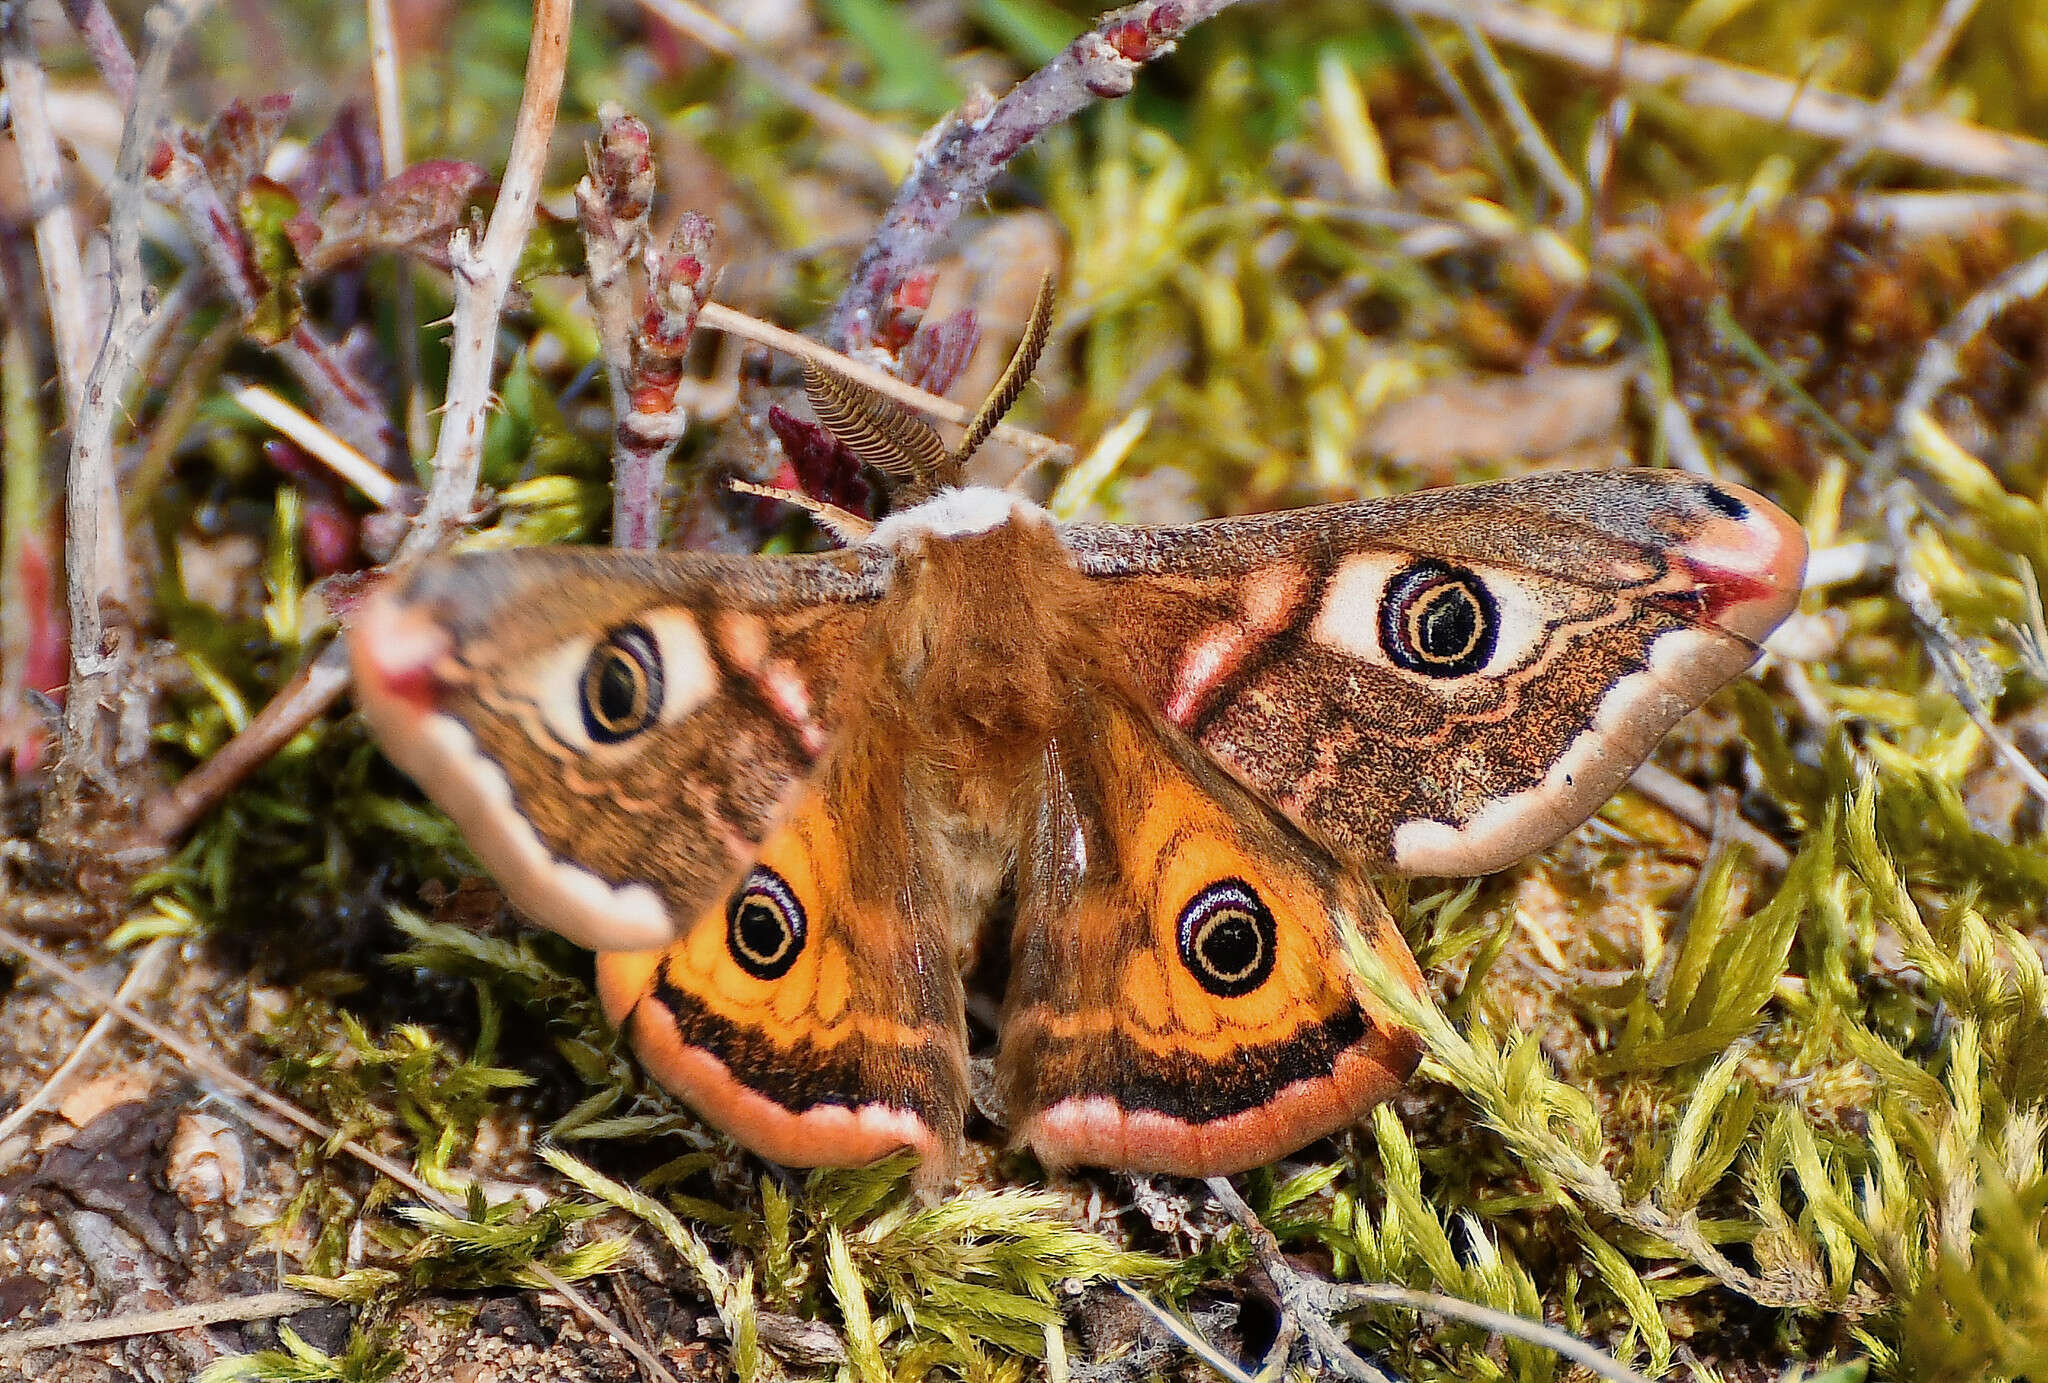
(1727, 1119)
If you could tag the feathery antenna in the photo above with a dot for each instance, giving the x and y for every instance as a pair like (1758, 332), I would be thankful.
(1014, 377)
(902, 445)
(874, 428)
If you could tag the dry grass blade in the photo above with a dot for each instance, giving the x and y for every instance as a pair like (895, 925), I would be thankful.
(1568, 1346)
(1187, 1335)
(844, 524)
(1015, 376)
(874, 429)
(262, 1306)
(141, 976)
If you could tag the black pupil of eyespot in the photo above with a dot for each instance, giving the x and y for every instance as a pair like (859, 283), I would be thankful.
(1227, 938)
(622, 685)
(761, 930)
(618, 687)
(1447, 624)
(765, 925)
(1230, 944)
(1438, 620)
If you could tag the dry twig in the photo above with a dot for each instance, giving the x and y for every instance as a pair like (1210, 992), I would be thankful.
(1308, 1302)
(389, 93)
(1941, 358)
(954, 169)
(1962, 670)
(483, 274)
(42, 171)
(304, 699)
(102, 39)
(95, 561)
(262, 1306)
(1567, 1346)
(319, 443)
(141, 975)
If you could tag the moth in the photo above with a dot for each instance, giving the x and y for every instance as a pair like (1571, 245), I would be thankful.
(784, 797)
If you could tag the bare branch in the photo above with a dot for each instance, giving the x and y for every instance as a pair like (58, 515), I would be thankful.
(1309, 1302)
(303, 700)
(42, 168)
(384, 84)
(955, 169)
(1941, 358)
(260, 1307)
(1966, 674)
(1937, 141)
(482, 276)
(95, 560)
(102, 38)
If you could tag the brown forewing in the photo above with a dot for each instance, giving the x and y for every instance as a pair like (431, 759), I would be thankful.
(1218, 621)
(683, 811)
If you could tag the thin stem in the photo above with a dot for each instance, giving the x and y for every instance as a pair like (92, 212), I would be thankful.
(303, 700)
(56, 233)
(959, 165)
(388, 89)
(1941, 358)
(483, 274)
(95, 558)
(339, 457)
(1567, 1346)
(262, 1306)
(102, 38)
